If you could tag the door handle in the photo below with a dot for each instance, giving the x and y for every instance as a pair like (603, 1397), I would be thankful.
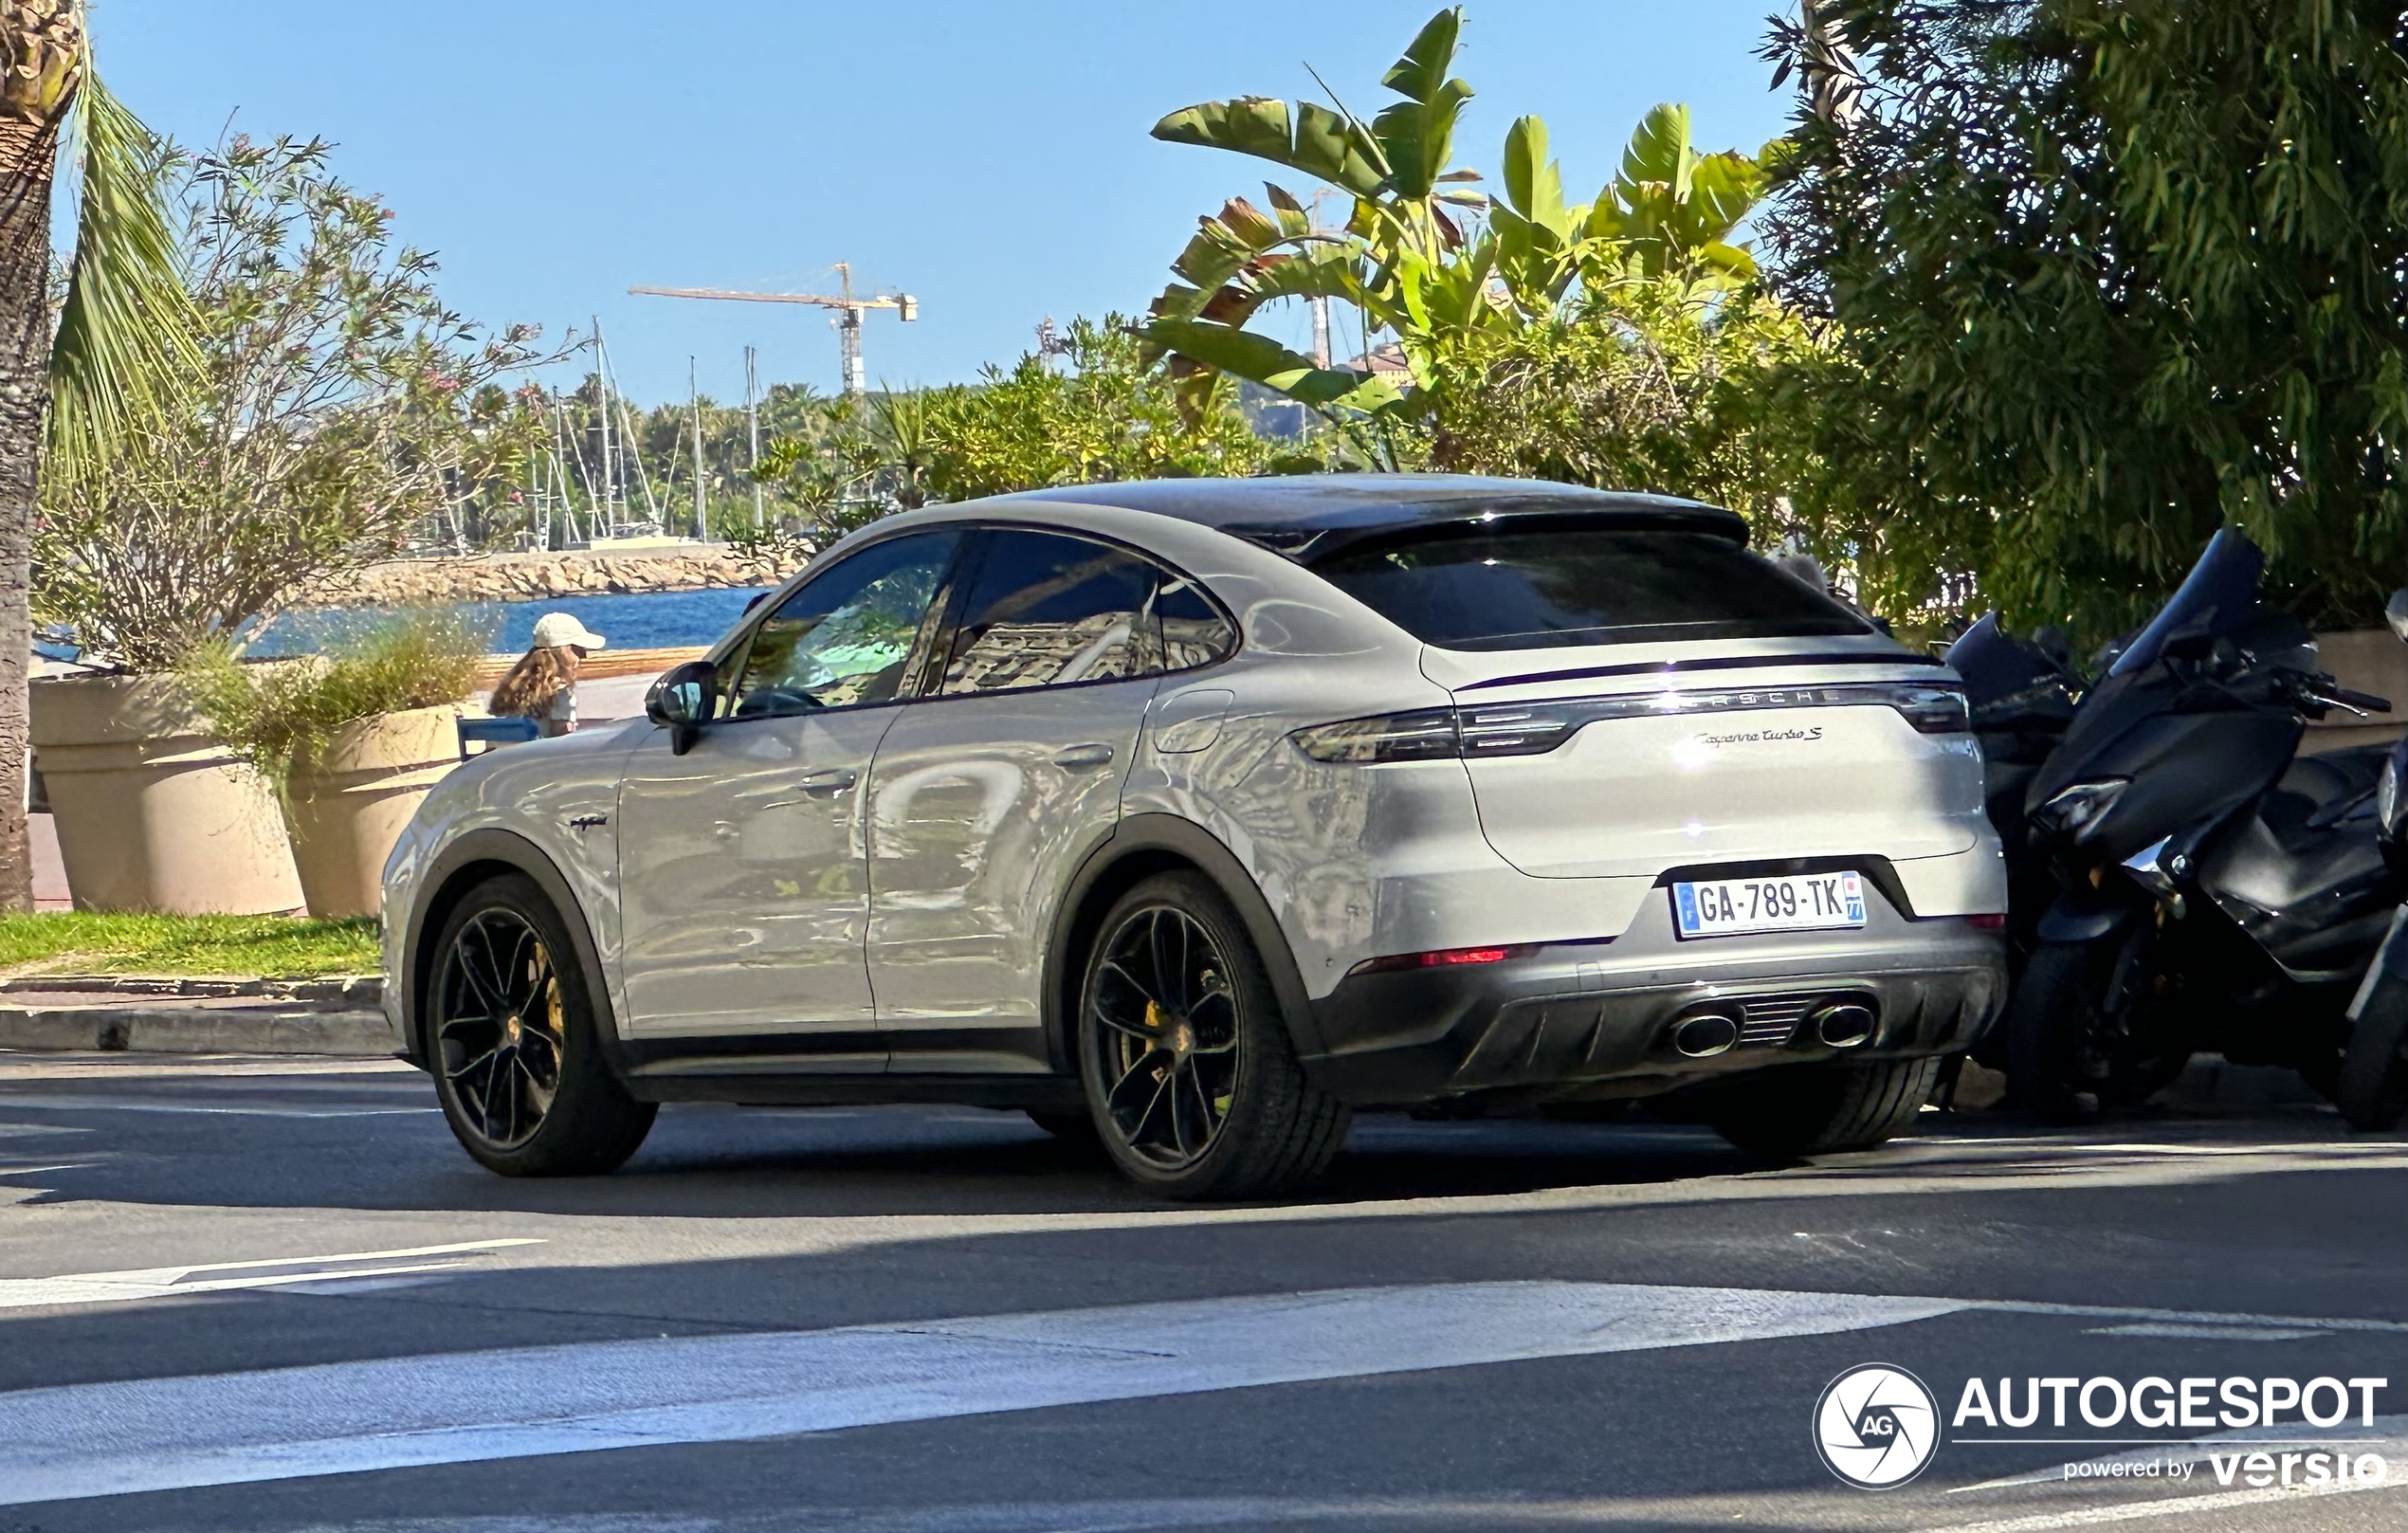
(833, 780)
(1094, 753)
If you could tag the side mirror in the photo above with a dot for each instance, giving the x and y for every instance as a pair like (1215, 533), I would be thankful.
(681, 702)
(2396, 613)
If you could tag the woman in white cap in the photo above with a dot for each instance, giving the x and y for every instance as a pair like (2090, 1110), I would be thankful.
(543, 685)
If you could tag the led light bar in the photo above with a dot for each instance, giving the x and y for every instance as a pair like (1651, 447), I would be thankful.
(1536, 728)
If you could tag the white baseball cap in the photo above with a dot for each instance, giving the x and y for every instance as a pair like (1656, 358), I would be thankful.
(556, 631)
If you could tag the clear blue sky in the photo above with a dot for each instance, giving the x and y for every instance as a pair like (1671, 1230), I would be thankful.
(989, 156)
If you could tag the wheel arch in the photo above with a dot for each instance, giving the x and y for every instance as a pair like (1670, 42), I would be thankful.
(462, 865)
(1139, 847)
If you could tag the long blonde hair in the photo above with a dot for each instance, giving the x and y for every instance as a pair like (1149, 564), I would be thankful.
(540, 676)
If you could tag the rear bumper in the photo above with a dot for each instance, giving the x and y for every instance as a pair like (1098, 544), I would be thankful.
(1597, 1019)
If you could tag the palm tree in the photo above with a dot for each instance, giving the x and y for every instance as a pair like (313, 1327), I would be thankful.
(121, 343)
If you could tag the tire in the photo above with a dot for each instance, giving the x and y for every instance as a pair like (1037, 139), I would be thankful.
(1821, 1109)
(2067, 1056)
(512, 1044)
(2373, 1090)
(1191, 1081)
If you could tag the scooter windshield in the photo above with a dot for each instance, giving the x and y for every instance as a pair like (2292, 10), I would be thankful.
(1996, 664)
(2217, 594)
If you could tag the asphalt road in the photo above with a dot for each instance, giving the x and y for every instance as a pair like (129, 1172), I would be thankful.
(939, 1318)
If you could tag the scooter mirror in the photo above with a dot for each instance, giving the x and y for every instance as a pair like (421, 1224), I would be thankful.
(2396, 613)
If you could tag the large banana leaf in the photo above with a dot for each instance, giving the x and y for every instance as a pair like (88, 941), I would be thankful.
(1672, 207)
(1227, 349)
(1317, 141)
(1418, 133)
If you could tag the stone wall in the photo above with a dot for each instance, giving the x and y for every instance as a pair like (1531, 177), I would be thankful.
(535, 576)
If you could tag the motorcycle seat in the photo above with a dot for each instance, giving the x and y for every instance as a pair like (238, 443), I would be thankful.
(2319, 790)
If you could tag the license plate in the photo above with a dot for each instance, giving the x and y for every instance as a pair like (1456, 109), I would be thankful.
(1793, 902)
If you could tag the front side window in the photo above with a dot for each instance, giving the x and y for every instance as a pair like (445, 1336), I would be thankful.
(1537, 587)
(1045, 609)
(844, 638)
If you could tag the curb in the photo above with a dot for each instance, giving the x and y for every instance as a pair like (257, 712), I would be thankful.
(339, 993)
(192, 1029)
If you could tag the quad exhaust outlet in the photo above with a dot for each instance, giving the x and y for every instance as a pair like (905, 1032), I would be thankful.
(1707, 1034)
(1844, 1026)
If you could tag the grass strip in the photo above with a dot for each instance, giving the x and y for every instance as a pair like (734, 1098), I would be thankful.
(273, 947)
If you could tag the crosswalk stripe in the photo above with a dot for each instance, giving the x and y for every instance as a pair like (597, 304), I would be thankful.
(73, 1288)
(170, 1433)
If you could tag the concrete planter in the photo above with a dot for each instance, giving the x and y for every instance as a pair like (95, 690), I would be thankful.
(346, 808)
(153, 813)
(2364, 659)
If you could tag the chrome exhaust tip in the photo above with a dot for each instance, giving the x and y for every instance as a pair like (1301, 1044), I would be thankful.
(1844, 1026)
(1705, 1035)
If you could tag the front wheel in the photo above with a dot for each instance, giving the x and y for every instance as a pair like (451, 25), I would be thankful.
(1192, 1082)
(512, 1043)
(2086, 1031)
(1821, 1109)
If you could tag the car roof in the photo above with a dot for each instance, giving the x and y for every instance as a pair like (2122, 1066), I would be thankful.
(1310, 515)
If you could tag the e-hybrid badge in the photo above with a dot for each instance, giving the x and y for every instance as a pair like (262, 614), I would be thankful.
(1795, 903)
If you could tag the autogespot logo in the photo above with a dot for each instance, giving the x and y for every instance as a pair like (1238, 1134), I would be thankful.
(1877, 1426)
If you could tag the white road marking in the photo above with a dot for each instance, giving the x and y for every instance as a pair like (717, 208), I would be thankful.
(2130, 1512)
(2202, 1322)
(13, 1103)
(174, 1282)
(2385, 1433)
(169, 1433)
(2220, 1333)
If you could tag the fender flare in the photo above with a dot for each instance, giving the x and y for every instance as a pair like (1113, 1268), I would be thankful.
(508, 848)
(1184, 839)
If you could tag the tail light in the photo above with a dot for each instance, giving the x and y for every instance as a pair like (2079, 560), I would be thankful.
(1536, 728)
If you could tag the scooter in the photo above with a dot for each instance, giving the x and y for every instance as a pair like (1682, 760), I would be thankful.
(2212, 888)
(2023, 693)
(2373, 1092)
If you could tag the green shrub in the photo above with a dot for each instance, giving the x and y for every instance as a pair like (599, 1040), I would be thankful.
(277, 715)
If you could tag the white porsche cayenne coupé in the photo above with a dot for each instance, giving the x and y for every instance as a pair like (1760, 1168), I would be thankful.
(1192, 815)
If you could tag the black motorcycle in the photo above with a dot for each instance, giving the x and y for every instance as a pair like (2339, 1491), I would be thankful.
(2373, 1093)
(2207, 887)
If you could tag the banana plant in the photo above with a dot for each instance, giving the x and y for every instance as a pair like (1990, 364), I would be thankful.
(1672, 211)
(1420, 255)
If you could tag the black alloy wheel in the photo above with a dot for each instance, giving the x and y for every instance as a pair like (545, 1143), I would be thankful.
(511, 1038)
(500, 1027)
(1165, 1021)
(1191, 1078)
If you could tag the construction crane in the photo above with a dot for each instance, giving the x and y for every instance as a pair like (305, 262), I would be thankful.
(848, 312)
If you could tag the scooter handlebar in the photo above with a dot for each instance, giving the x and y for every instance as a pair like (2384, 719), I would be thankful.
(2325, 691)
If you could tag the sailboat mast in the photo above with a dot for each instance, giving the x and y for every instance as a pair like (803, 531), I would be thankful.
(694, 403)
(753, 424)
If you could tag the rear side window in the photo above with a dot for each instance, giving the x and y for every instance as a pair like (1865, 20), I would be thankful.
(1194, 632)
(1540, 587)
(1045, 610)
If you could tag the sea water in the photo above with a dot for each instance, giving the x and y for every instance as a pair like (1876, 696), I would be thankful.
(643, 620)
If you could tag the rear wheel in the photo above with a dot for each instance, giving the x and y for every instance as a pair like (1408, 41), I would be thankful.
(1821, 1109)
(511, 1041)
(1194, 1084)
(2373, 1090)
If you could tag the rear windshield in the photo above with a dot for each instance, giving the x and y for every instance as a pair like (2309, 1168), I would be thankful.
(1540, 587)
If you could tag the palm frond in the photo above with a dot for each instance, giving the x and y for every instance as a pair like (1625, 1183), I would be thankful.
(128, 338)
